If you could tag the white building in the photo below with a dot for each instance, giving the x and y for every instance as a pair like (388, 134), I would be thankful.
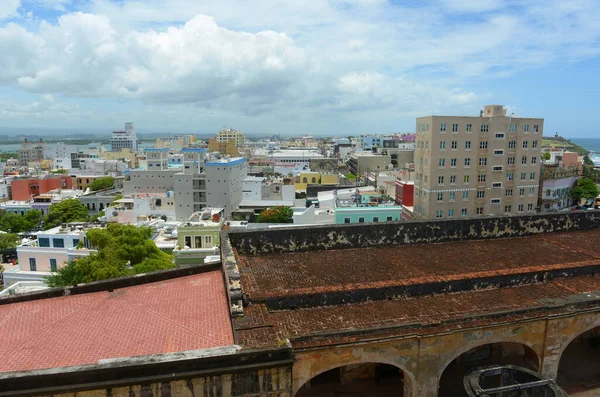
(297, 158)
(140, 208)
(39, 258)
(124, 139)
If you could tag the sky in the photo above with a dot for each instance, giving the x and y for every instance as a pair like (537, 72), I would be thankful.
(321, 67)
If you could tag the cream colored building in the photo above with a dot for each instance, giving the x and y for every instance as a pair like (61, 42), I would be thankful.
(227, 134)
(477, 166)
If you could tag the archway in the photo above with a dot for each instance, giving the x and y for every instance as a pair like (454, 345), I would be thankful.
(579, 366)
(503, 353)
(356, 380)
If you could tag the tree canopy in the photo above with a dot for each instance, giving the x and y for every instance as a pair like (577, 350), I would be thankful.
(102, 183)
(11, 222)
(69, 210)
(9, 240)
(276, 215)
(585, 189)
(123, 250)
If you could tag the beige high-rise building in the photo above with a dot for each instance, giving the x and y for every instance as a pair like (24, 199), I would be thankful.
(477, 166)
(227, 134)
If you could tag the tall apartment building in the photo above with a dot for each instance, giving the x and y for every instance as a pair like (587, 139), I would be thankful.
(125, 139)
(477, 166)
(31, 152)
(227, 134)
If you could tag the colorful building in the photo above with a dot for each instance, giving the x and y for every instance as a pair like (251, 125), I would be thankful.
(199, 237)
(25, 189)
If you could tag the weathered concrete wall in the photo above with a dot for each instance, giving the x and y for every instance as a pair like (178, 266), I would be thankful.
(318, 238)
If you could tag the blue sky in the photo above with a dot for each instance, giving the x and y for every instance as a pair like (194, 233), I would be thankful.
(324, 67)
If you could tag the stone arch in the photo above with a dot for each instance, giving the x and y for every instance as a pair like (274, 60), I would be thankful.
(310, 365)
(512, 352)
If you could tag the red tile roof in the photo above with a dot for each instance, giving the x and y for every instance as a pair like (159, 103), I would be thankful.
(181, 314)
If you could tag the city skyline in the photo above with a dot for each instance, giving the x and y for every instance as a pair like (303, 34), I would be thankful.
(321, 68)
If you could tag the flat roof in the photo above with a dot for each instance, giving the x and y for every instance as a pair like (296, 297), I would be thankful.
(225, 162)
(185, 313)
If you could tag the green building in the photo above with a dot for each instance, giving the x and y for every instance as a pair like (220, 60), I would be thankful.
(198, 237)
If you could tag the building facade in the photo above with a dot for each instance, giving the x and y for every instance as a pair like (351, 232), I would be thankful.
(477, 166)
(26, 189)
(228, 134)
(124, 139)
(31, 152)
(198, 237)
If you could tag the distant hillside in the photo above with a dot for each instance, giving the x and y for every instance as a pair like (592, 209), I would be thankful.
(563, 143)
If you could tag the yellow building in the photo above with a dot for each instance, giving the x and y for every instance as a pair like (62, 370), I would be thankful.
(126, 154)
(225, 148)
(315, 178)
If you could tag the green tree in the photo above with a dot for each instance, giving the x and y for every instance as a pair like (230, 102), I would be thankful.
(69, 210)
(279, 214)
(117, 197)
(350, 176)
(102, 183)
(9, 240)
(11, 222)
(123, 250)
(585, 189)
(546, 156)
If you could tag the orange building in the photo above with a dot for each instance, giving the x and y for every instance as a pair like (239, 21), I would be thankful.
(25, 189)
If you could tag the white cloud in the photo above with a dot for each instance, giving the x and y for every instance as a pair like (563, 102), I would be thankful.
(9, 8)
(469, 6)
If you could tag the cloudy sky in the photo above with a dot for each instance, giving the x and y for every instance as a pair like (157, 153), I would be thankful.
(329, 67)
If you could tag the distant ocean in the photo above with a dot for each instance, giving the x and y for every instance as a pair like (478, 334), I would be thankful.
(591, 144)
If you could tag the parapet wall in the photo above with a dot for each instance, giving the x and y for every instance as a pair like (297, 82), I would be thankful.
(318, 238)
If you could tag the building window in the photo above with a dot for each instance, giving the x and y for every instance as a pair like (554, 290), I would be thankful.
(389, 218)
(534, 144)
(469, 127)
(443, 127)
(467, 162)
(499, 135)
(468, 145)
(454, 145)
(58, 243)
(44, 242)
(499, 152)
(512, 144)
(533, 160)
(440, 196)
(483, 145)
(531, 191)
(442, 145)
(442, 162)
(524, 160)
(466, 179)
(520, 208)
(375, 219)
(452, 179)
(465, 195)
(480, 194)
(508, 192)
(522, 191)
(481, 178)
(496, 185)
(532, 175)
(511, 160)
(529, 207)
(452, 196)
(75, 242)
(32, 265)
(484, 128)
(463, 212)
(454, 127)
(525, 127)
(450, 213)
(438, 213)
(440, 180)
(479, 211)
(53, 267)
(361, 220)
(346, 220)
(452, 162)
(507, 208)
(513, 128)
(497, 168)
(510, 176)
(523, 176)
(208, 242)
(536, 128)
(483, 161)
(524, 144)
(495, 201)
(188, 241)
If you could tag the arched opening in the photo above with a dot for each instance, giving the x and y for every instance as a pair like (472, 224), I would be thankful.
(505, 353)
(579, 366)
(365, 380)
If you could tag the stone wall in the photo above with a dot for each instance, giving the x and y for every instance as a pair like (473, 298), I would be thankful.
(316, 238)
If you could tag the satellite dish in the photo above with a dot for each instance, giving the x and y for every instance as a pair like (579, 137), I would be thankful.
(115, 213)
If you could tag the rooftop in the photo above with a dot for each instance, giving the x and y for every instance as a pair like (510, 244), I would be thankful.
(185, 313)
(206, 217)
(315, 297)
